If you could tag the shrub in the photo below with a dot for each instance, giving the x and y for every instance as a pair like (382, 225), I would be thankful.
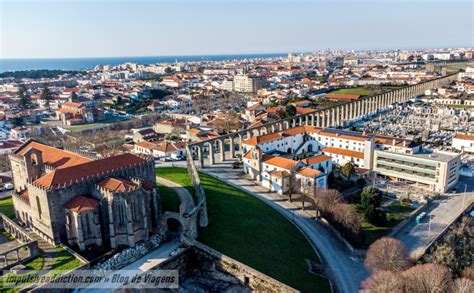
(375, 217)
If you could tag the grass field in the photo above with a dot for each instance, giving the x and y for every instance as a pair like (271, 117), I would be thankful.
(364, 91)
(169, 199)
(63, 261)
(84, 126)
(461, 106)
(6, 207)
(246, 229)
(354, 91)
(396, 213)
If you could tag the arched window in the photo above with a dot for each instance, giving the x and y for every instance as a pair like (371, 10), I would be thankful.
(121, 211)
(68, 221)
(38, 204)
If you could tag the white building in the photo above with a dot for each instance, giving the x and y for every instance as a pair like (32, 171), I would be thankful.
(463, 142)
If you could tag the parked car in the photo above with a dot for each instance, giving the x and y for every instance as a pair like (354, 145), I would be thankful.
(8, 186)
(236, 165)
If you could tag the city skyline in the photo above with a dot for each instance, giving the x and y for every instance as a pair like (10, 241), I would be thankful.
(125, 29)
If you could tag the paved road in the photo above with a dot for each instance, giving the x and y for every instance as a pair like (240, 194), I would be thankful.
(345, 270)
(139, 266)
(441, 211)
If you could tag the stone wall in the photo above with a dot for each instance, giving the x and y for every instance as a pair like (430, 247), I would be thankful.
(204, 269)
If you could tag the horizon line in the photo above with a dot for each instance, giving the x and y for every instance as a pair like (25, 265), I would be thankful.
(229, 54)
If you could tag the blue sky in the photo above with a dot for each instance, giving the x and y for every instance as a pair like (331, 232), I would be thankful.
(48, 29)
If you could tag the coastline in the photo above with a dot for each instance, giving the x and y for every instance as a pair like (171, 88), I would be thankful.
(89, 63)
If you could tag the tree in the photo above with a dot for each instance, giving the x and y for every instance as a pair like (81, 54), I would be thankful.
(348, 170)
(383, 282)
(427, 278)
(387, 254)
(73, 96)
(282, 114)
(374, 216)
(463, 285)
(371, 196)
(438, 143)
(347, 216)
(290, 110)
(24, 97)
(469, 273)
(309, 191)
(46, 96)
(293, 183)
(327, 200)
(444, 255)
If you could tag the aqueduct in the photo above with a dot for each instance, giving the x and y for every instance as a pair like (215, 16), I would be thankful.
(333, 116)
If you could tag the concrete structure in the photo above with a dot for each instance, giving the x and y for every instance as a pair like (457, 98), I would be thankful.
(26, 243)
(436, 171)
(247, 84)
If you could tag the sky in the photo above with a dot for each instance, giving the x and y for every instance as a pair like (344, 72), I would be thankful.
(106, 28)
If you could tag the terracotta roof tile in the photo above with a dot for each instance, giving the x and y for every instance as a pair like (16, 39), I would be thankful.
(51, 156)
(80, 203)
(309, 172)
(316, 159)
(117, 184)
(63, 176)
(280, 162)
(343, 152)
(464, 136)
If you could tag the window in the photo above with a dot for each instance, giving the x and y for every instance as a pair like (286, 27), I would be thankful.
(121, 213)
(68, 221)
(38, 204)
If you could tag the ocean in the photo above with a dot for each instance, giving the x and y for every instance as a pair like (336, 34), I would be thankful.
(88, 63)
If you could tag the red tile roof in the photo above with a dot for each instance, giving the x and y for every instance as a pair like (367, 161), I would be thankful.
(51, 156)
(67, 175)
(280, 162)
(316, 159)
(80, 203)
(309, 172)
(464, 136)
(117, 184)
(343, 152)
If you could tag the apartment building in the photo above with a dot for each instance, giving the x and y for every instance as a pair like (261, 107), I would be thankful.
(436, 171)
(247, 84)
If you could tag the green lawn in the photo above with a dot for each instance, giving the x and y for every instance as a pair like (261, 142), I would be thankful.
(6, 207)
(84, 126)
(354, 91)
(8, 236)
(35, 264)
(397, 212)
(461, 106)
(169, 199)
(246, 229)
(63, 261)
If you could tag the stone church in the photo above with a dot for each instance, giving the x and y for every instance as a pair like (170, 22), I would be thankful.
(67, 197)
